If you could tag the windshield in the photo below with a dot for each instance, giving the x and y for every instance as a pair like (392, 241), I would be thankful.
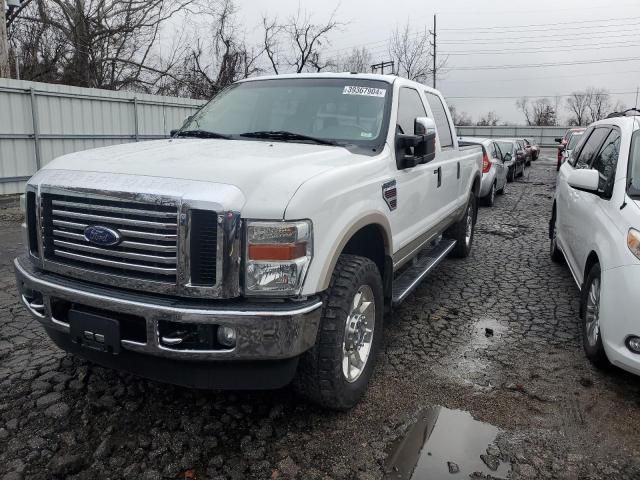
(340, 110)
(633, 179)
(573, 141)
(506, 147)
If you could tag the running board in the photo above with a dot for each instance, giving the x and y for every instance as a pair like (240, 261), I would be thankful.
(426, 262)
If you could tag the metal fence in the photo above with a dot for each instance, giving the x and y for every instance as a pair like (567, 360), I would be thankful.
(543, 136)
(39, 122)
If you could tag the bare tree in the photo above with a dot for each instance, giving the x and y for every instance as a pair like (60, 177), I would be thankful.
(460, 119)
(538, 112)
(411, 53)
(97, 43)
(359, 60)
(599, 104)
(209, 67)
(578, 105)
(302, 40)
(491, 119)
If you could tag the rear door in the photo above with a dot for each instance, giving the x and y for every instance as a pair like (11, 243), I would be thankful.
(448, 157)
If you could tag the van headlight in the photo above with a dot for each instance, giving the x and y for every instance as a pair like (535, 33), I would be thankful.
(633, 242)
(277, 257)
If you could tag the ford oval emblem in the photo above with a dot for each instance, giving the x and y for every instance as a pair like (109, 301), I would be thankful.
(102, 236)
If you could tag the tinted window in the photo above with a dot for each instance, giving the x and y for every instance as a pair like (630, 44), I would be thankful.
(410, 107)
(441, 119)
(633, 180)
(591, 147)
(607, 160)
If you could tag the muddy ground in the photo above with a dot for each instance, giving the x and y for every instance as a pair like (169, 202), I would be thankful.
(61, 417)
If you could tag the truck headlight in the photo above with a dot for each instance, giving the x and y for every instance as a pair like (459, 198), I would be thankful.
(277, 257)
(633, 242)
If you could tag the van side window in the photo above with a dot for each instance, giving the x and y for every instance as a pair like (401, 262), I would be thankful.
(410, 107)
(440, 118)
(591, 147)
(606, 162)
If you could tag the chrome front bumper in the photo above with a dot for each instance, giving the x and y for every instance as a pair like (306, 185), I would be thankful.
(265, 331)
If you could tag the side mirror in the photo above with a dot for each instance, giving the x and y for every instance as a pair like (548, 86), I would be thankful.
(412, 150)
(558, 140)
(585, 180)
(507, 157)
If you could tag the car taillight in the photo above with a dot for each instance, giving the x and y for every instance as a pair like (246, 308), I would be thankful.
(486, 164)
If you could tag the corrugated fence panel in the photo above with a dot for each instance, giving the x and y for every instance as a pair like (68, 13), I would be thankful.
(69, 119)
(543, 136)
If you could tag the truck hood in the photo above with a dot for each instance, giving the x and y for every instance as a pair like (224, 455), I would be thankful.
(266, 174)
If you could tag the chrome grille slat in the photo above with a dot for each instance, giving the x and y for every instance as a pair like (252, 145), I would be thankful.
(113, 253)
(126, 244)
(114, 264)
(111, 209)
(148, 246)
(114, 220)
(126, 233)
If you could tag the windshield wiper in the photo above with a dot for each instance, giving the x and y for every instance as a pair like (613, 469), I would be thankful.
(284, 136)
(202, 134)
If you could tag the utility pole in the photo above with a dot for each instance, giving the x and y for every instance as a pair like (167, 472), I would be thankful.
(435, 65)
(5, 72)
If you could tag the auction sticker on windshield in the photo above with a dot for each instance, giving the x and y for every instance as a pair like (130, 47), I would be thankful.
(365, 91)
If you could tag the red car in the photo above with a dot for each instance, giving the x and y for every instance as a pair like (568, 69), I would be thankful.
(563, 142)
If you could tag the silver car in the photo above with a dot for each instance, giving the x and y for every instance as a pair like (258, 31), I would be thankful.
(494, 168)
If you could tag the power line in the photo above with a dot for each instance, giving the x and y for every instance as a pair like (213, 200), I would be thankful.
(544, 25)
(542, 65)
(511, 97)
(518, 79)
(594, 36)
(569, 48)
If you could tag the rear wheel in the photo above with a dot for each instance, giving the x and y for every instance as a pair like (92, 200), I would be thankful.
(556, 254)
(490, 199)
(463, 231)
(591, 332)
(335, 373)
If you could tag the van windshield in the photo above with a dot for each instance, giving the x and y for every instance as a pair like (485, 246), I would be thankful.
(339, 110)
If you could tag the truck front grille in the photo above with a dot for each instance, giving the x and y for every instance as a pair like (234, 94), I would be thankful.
(148, 244)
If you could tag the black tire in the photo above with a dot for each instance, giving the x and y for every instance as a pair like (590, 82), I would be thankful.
(320, 378)
(593, 350)
(458, 231)
(511, 174)
(556, 254)
(490, 199)
(523, 169)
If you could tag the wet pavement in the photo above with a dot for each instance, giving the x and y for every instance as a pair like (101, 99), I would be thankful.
(495, 335)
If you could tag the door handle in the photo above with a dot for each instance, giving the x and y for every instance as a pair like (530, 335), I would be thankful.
(458, 170)
(438, 172)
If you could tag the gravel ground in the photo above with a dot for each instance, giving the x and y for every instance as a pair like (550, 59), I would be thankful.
(61, 417)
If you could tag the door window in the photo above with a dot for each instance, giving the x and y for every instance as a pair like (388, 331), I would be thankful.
(591, 147)
(410, 107)
(605, 162)
(441, 119)
(498, 151)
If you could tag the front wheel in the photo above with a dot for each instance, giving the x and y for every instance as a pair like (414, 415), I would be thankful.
(591, 331)
(463, 230)
(335, 373)
(556, 254)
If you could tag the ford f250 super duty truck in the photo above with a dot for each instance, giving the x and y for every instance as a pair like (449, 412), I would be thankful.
(261, 244)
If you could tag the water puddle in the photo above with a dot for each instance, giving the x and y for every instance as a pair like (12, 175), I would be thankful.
(446, 444)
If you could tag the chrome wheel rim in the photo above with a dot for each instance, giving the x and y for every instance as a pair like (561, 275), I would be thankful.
(358, 334)
(469, 228)
(592, 315)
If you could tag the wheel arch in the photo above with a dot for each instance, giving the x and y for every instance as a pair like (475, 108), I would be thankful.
(592, 259)
(369, 237)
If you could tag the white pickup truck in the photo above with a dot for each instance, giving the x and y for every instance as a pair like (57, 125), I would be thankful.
(258, 246)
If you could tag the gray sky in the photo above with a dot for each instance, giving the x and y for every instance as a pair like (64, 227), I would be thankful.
(539, 32)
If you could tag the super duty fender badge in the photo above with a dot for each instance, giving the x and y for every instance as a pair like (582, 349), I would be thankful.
(390, 194)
